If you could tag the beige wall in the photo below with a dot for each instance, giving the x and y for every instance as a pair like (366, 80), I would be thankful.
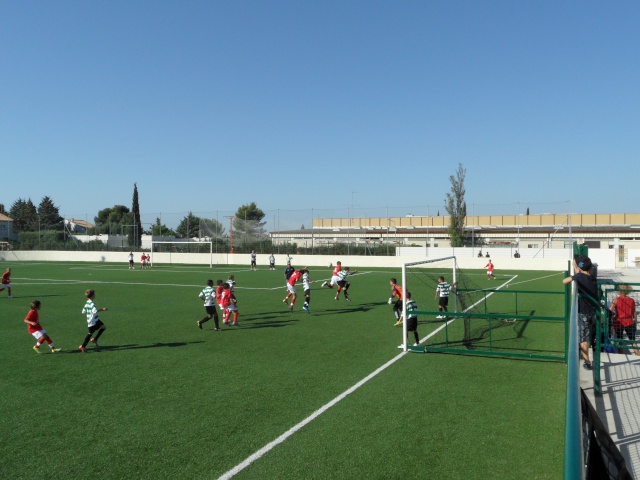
(577, 219)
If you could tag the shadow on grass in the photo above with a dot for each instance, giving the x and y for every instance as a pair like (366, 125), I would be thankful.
(111, 348)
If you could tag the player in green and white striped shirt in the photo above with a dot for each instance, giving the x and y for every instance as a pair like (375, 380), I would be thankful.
(412, 320)
(93, 322)
(208, 294)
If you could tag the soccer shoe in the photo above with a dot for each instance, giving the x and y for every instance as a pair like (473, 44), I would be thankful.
(347, 299)
(216, 329)
(337, 298)
(284, 301)
(305, 308)
(82, 349)
(440, 316)
(586, 366)
(37, 349)
(416, 344)
(235, 324)
(95, 342)
(291, 308)
(226, 323)
(55, 350)
(199, 324)
(324, 284)
(401, 347)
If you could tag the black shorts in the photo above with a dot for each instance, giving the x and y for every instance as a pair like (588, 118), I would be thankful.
(443, 301)
(343, 283)
(96, 326)
(412, 324)
(307, 292)
(253, 263)
(618, 331)
(211, 310)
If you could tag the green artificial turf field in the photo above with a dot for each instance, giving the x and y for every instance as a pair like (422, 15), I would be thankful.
(161, 398)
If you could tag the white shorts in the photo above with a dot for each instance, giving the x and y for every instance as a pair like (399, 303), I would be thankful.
(291, 289)
(232, 308)
(6, 285)
(334, 280)
(39, 334)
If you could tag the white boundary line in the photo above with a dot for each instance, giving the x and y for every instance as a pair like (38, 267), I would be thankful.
(271, 445)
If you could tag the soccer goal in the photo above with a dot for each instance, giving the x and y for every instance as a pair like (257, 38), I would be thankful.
(173, 248)
(484, 318)
(420, 279)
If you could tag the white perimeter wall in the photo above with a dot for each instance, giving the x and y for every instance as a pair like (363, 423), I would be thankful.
(550, 259)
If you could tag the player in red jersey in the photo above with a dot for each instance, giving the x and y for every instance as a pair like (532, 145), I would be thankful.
(489, 267)
(229, 303)
(396, 291)
(291, 287)
(6, 281)
(219, 288)
(35, 329)
(335, 276)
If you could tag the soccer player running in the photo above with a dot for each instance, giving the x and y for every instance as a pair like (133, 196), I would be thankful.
(442, 295)
(35, 329)
(396, 291)
(343, 284)
(334, 276)
(489, 267)
(6, 282)
(208, 295)
(291, 287)
(93, 322)
(306, 286)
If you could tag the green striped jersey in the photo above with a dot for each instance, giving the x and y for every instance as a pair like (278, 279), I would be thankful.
(208, 294)
(412, 308)
(443, 288)
(91, 311)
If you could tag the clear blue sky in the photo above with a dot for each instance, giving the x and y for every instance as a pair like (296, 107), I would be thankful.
(294, 105)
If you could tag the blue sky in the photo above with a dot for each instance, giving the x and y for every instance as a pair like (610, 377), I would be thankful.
(335, 106)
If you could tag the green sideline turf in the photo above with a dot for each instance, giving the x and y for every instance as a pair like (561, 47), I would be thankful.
(163, 399)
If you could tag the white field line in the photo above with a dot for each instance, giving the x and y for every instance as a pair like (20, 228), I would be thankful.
(271, 445)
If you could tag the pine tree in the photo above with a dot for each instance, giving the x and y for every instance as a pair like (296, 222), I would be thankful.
(136, 229)
(49, 214)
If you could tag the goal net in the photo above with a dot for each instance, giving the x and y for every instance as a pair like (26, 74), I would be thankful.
(420, 281)
(171, 251)
(483, 316)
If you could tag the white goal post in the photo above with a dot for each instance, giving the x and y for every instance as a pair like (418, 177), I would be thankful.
(424, 292)
(171, 244)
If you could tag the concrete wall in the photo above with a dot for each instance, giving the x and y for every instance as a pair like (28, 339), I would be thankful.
(555, 260)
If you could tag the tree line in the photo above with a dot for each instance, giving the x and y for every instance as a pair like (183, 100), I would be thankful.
(122, 220)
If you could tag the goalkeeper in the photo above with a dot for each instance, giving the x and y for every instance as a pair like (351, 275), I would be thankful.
(396, 291)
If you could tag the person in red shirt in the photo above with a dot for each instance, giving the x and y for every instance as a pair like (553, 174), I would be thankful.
(229, 304)
(625, 317)
(35, 329)
(489, 267)
(291, 287)
(6, 281)
(396, 291)
(143, 260)
(335, 276)
(219, 288)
